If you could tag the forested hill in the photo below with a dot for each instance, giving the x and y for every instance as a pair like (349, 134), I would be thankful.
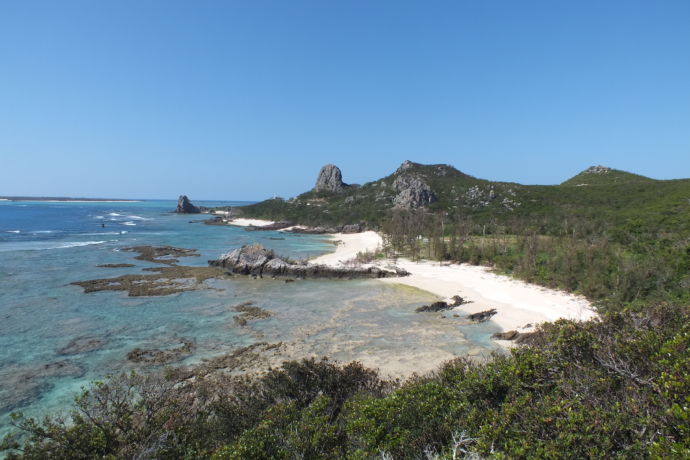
(599, 195)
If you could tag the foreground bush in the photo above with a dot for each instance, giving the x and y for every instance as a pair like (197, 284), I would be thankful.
(615, 388)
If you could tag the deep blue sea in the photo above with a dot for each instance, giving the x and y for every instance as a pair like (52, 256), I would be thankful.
(46, 246)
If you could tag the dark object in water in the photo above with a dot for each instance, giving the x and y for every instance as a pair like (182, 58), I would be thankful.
(482, 316)
(441, 306)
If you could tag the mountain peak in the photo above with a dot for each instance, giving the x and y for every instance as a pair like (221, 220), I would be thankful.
(597, 170)
(603, 175)
(330, 180)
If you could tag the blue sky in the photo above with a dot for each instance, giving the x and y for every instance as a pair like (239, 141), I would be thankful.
(247, 99)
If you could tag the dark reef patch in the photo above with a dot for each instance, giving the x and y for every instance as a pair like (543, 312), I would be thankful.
(249, 312)
(21, 384)
(165, 281)
(161, 254)
(81, 345)
(158, 356)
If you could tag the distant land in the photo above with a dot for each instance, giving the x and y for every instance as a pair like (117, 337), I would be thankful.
(61, 198)
(599, 194)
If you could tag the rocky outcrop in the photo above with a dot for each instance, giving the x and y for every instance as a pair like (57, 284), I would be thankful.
(184, 206)
(407, 164)
(256, 260)
(482, 316)
(274, 226)
(598, 170)
(442, 306)
(413, 192)
(351, 228)
(330, 180)
(314, 230)
(515, 336)
(157, 356)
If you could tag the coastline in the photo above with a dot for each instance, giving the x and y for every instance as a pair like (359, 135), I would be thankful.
(241, 222)
(520, 306)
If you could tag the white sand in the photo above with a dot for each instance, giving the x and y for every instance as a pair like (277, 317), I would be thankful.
(249, 222)
(348, 246)
(519, 304)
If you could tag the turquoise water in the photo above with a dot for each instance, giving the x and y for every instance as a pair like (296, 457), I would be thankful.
(46, 246)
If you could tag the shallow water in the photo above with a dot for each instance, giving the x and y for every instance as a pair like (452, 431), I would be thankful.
(46, 246)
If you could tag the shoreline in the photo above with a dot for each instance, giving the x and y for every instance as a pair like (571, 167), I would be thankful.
(241, 222)
(520, 305)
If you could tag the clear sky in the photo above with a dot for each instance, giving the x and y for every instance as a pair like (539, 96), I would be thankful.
(248, 99)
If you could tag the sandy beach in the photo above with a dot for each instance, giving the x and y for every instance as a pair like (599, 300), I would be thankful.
(520, 305)
(348, 245)
(249, 222)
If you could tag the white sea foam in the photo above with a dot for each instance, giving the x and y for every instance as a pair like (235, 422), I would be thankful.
(99, 217)
(76, 244)
(130, 223)
(43, 231)
(139, 218)
(45, 245)
(13, 231)
(114, 214)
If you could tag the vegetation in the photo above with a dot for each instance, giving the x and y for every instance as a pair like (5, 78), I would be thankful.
(608, 200)
(616, 387)
(610, 388)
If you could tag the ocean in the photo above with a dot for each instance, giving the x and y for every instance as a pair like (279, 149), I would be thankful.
(45, 246)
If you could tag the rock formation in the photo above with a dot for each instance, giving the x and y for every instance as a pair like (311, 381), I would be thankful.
(442, 306)
(482, 316)
(598, 170)
(413, 192)
(351, 228)
(518, 337)
(330, 180)
(254, 259)
(184, 206)
(407, 164)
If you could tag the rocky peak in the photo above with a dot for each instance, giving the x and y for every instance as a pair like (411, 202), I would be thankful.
(598, 170)
(407, 164)
(413, 192)
(330, 180)
(184, 206)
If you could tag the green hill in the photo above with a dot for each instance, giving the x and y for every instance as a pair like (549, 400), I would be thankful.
(609, 198)
(601, 175)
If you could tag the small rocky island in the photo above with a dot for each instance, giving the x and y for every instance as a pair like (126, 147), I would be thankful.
(184, 206)
(256, 260)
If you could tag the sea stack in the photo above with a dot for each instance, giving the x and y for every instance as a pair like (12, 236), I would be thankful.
(184, 206)
(330, 180)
